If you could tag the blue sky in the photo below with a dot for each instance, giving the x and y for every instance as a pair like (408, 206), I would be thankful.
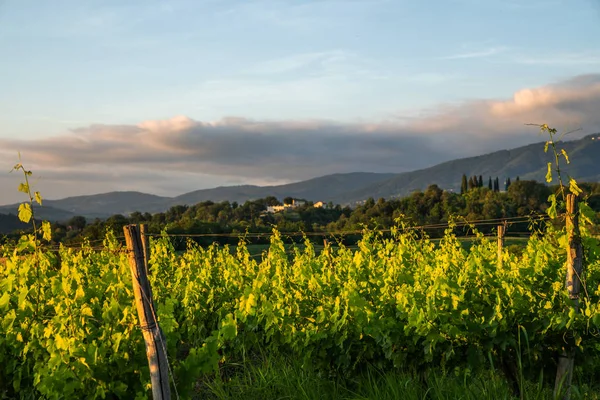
(72, 63)
(67, 65)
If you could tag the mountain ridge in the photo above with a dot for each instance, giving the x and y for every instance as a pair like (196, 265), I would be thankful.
(527, 162)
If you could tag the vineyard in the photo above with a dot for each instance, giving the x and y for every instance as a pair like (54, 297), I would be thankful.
(399, 302)
(396, 315)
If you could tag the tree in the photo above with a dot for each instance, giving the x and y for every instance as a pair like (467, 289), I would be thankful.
(463, 185)
(490, 184)
(507, 184)
(116, 222)
(78, 222)
(496, 185)
(288, 200)
(471, 185)
(136, 217)
(480, 182)
(528, 196)
(272, 201)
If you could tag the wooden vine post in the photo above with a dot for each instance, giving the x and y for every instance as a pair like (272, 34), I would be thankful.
(566, 360)
(145, 247)
(153, 337)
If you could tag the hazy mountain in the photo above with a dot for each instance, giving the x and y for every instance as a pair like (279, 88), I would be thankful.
(106, 204)
(527, 162)
(97, 205)
(46, 213)
(323, 188)
(10, 223)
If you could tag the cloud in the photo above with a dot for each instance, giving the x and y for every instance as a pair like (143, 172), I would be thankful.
(182, 154)
(492, 51)
(298, 61)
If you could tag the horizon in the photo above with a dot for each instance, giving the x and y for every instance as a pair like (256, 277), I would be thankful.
(173, 196)
(167, 97)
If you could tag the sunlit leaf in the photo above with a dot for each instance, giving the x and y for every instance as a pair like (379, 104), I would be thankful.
(4, 300)
(38, 198)
(46, 231)
(25, 212)
(552, 209)
(549, 173)
(573, 187)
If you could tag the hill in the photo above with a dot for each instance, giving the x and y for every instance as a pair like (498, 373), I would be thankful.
(10, 223)
(323, 188)
(527, 162)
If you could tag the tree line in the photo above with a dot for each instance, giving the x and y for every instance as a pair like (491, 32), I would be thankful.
(477, 182)
(431, 206)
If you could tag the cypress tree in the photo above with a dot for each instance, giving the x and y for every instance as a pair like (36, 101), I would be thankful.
(480, 182)
(463, 184)
(472, 183)
(507, 183)
(496, 185)
(490, 184)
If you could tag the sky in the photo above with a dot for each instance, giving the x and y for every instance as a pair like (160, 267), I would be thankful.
(170, 96)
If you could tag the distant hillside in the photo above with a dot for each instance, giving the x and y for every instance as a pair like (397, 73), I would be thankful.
(95, 206)
(10, 223)
(324, 188)
(46, 212)
(107, 204)
(104, 205)
(527, 162)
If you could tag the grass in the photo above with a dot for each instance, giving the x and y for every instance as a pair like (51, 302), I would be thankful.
(279, 378)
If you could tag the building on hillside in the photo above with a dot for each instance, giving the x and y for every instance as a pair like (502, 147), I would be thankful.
(286, 207)
(319, 204)
(298, 203)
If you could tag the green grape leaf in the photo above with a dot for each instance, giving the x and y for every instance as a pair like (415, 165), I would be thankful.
(549, 173)
(46, 231)
(23, 187)
(25, 212)
(22, 299)
(552, 209)
(564, 153)
(4, 300)
(38, 198)
(228, 327)
(573, 187)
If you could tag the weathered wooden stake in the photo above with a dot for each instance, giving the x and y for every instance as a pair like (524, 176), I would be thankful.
(566, 360)
(500, 243)
(145, 247)
(155, 342)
